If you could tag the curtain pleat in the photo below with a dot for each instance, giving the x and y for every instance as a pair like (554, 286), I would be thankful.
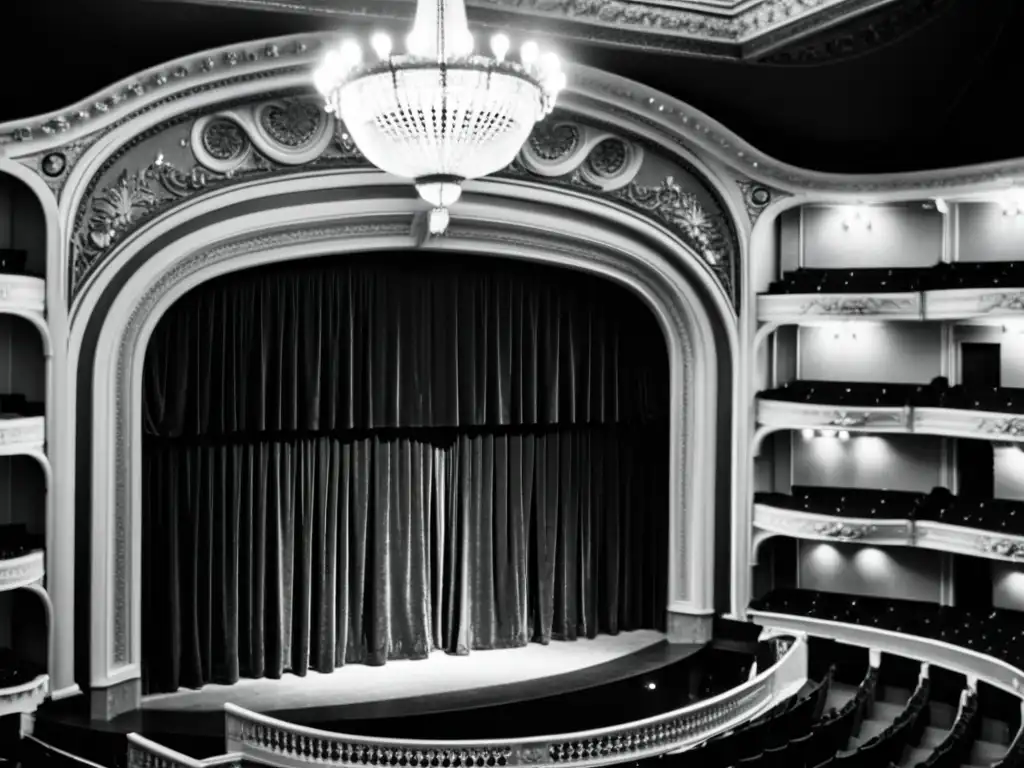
(375, 460)
(361, 346)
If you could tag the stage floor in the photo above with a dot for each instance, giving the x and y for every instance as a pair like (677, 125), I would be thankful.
(582, 684)
(440, 674)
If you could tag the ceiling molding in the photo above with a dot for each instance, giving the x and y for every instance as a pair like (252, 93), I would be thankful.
(261, 67)
(736, 29)
(867, 32)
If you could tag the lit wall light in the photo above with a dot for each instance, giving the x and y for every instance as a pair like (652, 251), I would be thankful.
(845, 331)
(941, 206)
(651, 686)
(807, 434)
(1012, 203)
(1013, 326)
(857, 218)
(844, 435)
(828, 433)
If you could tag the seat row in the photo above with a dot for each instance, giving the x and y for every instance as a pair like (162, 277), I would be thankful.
(894, 714)
(15, 670)
(943, 276)
(939, 506)
(937, 394)
(15, 541)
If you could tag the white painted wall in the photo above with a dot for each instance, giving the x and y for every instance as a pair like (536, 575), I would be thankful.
(985, 234)
(899, 236)
(898, 353)
(895, 462)
(895, 572)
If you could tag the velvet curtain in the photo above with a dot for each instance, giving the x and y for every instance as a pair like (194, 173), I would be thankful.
(375, 459)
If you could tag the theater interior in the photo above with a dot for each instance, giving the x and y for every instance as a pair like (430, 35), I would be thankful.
(528, 383)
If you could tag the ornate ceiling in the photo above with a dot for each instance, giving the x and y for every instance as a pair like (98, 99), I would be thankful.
(854, 86)
(741, 29)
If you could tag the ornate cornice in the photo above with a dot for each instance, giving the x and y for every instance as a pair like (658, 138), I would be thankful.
(265, 139)
(708, 28)
(857, 36)
(774, 415)
(283, 63)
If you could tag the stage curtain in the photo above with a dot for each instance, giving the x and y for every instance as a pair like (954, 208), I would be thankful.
(283, 555)
(371, 459)
(361, 345)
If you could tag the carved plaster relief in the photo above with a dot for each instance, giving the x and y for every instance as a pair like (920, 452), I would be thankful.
(292, 133)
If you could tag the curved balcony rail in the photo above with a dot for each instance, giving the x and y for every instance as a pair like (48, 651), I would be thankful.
(780, 415)
(22, 571)
(257, 738)
(771, 521)
(24, 698)
(145, 753)
(25, 297)
(974, 665)
(945, 291)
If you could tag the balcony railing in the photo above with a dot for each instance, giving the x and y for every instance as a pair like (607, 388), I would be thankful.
(257, 738)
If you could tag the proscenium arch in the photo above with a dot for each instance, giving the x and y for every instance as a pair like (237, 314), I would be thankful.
(338, 213)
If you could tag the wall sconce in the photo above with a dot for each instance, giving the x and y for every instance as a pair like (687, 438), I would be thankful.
(857, 218)
(845, 332)
(941, 206)
(1013, 203)
(842, 434)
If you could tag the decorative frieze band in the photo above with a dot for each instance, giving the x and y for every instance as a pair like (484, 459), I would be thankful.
(924, 534)
(943, 422)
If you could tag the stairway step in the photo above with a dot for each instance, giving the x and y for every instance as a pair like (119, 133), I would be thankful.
(987, 752)
(914, 755)
(931, 737)
(871, 728)
(839, 694)
(886, 711)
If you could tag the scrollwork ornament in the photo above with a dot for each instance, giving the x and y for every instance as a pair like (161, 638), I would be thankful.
(857, 306)
(608, 158)
(704, 232)
(1013, 427)
(292, 123)
(552, 142)
(224, 140)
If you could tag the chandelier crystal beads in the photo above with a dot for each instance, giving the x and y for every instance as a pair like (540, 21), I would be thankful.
(439, 114)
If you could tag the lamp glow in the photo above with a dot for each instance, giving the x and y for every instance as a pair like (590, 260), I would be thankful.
(439, 114)
(500, 45)
(381, 45)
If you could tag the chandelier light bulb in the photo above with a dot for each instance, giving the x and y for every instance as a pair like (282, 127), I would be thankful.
(529, 53)
(549, 63)
(381, 45)
(350, 54)
(500, 45)
(463, 44)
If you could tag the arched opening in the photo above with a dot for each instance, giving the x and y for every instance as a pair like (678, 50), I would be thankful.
(360, 459)
(303, 217)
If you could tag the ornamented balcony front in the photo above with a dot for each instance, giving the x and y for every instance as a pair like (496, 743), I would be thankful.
(982, 644)
(957, 291)
(937, 521)
(995, 414)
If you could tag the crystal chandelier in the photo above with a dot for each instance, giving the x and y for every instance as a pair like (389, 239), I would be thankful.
(439, 114)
